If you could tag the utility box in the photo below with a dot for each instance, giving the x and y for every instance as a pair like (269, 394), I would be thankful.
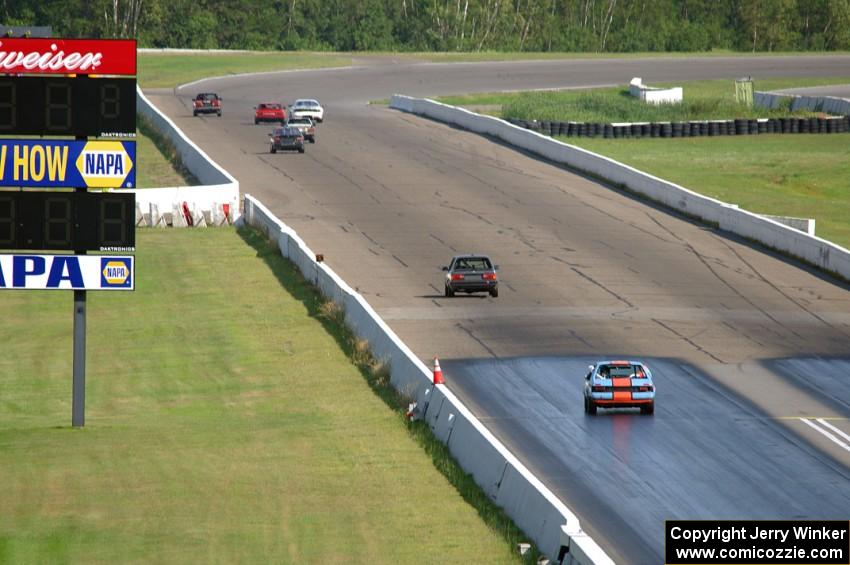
(744, 91)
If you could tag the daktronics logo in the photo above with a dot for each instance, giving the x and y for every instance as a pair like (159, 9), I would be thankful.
(66, 56)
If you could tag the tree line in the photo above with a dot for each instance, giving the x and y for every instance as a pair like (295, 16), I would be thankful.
(450, 25)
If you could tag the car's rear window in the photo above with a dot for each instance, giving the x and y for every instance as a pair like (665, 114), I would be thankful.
(611, 371)
(207, 96)
(270, 106)
(472, 264)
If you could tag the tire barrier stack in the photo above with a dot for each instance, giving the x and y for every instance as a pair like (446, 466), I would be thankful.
(701, 128)
(505, 480)
(727, 217)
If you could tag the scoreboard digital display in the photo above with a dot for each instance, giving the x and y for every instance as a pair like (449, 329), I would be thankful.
(65, 106)
(73, 221)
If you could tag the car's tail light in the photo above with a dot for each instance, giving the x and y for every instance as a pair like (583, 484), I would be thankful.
(489, 276)
(643, 388)
(600, 388)
(216, 103)
(457, 277)
(276, 138)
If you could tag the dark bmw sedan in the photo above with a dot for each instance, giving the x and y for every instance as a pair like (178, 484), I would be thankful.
(286, 138)
(471, 273)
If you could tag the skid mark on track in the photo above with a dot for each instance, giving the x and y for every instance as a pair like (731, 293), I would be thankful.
(565, 262)
(581, 339)
(443, 242)
(520, 237)
(367, 236)
(743, 334)
(704, 260)
(772, 285)
(603, 287)
(400, 261)
(276, 166)
(685, 338)
(470, 212)
(477, 339)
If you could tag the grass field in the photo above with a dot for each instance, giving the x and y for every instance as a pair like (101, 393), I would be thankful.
(225, 423)
(153, 170)
(801, 175)
(788, 175)
(157, 70)
(703, 100)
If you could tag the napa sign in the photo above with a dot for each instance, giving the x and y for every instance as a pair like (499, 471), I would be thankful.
(54, 163)
(66, 272)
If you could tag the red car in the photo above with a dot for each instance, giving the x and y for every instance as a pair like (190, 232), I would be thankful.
(206, 103)
(269, 112)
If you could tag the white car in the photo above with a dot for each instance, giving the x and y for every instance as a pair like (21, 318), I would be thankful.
(307, 107)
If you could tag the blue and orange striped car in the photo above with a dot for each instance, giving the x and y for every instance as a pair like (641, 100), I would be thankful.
(619, 384)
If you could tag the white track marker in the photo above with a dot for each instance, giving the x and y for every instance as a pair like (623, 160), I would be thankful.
(829, 435)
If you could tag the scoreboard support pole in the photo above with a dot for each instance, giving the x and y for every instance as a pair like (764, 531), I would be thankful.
(78, 400)
(78, 387)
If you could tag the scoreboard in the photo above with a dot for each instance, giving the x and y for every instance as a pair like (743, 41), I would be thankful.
(67, 220)
(60, 93)
(77, 106)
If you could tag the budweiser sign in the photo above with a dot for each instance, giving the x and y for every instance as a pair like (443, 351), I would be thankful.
(68, 56)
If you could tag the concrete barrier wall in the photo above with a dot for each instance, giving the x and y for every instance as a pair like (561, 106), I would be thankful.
(218, 187)
(532, 506)
(654, 95)
(828, 104)
(729, 217)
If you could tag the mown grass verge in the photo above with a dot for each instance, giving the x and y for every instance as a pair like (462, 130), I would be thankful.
(158, 163)
(224, 423)
(377, 375)
(785, 175)
(703, 100)
(159, 70)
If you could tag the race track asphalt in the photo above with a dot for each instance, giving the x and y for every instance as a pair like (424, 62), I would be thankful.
(750, 349)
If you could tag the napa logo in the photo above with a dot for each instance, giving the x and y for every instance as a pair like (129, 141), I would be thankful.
(115, 273)
(105, 164)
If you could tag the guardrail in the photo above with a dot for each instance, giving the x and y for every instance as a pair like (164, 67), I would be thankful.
(532, 506)
(812, 249)
(218, 187)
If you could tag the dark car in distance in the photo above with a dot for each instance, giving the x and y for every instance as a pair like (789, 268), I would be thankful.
(206, 103)
(281, 139)
(471, 273)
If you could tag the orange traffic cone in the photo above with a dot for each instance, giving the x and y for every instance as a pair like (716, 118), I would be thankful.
(438, 373)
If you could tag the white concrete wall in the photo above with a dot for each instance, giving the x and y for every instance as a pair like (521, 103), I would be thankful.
(653, 95)
(729, 217)
(532, 506)
(217, 188)
(828, 104)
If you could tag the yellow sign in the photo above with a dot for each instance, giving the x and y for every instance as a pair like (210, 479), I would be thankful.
(104, 164)
(116, 272)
